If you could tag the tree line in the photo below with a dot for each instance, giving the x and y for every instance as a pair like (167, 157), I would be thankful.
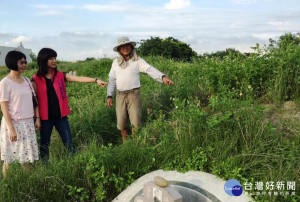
(178, 50)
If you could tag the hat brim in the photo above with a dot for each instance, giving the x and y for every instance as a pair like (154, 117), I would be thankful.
(130, 42)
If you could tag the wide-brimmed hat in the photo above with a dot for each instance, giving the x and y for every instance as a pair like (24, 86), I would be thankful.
(122, 41)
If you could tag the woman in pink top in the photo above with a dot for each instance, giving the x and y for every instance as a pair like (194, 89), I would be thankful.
(17, 136)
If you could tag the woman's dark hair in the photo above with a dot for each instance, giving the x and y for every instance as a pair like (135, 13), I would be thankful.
(43, 56)
(12, 58)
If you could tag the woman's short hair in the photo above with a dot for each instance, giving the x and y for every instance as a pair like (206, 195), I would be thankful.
(12, 58)
(42, 59)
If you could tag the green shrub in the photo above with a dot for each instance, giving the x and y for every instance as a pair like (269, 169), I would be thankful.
(169, 48)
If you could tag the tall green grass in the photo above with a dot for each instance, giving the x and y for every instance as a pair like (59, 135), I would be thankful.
(211, 120)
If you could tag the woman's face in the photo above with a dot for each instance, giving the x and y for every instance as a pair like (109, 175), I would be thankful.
(125, 49)
(21, 65)
(51, 63)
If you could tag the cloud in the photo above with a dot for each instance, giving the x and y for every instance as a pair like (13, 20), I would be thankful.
(282, 25)
(266, 36)
(12, 40)
(238, 25)
(20, 39)
(47, 10)
(44, 6)
(177, 4)
(110, 8)
(5, 35)
(77, 45)
(244, 2)
(83, 34)
(133, 35)
(97, 53)
(50, 12)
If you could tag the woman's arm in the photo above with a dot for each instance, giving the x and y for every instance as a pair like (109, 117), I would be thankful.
(11, 129)
(83, 79)
(34, 86)
(37, 123)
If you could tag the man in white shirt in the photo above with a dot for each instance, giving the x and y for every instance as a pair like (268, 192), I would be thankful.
(125, 76)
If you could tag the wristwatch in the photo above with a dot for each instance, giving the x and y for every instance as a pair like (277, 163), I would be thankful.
(96, 80)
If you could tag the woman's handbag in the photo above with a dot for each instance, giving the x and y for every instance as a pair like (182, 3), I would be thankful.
(34, 100)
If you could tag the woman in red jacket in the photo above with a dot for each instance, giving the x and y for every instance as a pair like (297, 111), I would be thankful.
(50, 85)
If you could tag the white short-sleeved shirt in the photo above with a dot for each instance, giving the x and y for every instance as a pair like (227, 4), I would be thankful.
(19, 98)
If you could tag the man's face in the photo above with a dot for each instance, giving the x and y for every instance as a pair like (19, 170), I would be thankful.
(125, 49)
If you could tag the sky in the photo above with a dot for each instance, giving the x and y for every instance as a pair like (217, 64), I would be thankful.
(80, 29)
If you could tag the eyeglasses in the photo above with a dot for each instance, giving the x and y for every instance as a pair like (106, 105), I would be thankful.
(22, 62)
